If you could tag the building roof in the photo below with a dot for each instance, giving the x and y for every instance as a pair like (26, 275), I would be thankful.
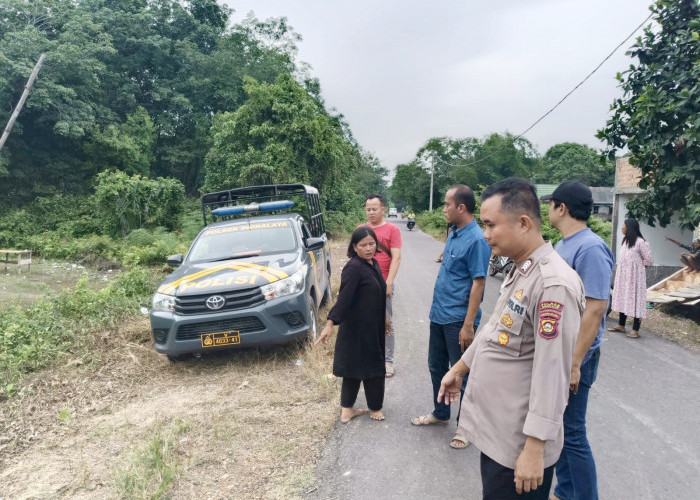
(602, 195)
(543, 189)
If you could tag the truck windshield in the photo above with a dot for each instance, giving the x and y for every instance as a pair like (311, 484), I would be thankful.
(220, 243)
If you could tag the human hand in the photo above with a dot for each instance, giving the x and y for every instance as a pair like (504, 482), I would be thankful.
(466, 336)
(529, 470)
(450, 388)
(389, 289)
(575, 378)
(325, 334)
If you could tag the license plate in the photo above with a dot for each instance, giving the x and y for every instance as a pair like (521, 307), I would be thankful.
(220, 339)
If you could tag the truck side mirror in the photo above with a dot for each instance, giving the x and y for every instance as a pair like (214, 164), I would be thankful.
(315, 243)
(174, 260)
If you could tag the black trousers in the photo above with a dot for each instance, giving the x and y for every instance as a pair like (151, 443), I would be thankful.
(636, 323)
(374, 392)
(499, 482)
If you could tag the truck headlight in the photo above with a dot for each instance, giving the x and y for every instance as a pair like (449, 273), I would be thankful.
(286, 286)
(163, 302)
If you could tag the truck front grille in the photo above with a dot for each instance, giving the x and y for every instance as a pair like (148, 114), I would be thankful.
(239, 299)
(243, 325)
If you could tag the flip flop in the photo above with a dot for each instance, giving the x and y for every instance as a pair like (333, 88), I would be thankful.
(461, 440)
(428, 419)
(615, 329)
(630, 336)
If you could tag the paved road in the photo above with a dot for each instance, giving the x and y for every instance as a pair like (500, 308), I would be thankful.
(643, 418)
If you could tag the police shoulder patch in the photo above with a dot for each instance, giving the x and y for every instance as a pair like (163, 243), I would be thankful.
(550, 315)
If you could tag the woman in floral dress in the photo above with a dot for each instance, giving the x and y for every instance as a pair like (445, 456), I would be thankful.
(630, 290)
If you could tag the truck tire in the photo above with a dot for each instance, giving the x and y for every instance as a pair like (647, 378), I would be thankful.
(313, 321)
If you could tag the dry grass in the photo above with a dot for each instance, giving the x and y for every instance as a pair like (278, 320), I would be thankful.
(120, 421)
(677, 323)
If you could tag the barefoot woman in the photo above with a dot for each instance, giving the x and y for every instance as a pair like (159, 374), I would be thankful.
(360, 312)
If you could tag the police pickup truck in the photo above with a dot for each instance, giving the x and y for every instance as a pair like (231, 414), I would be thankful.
(254, 276)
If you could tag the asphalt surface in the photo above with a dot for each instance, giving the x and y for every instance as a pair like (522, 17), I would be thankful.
(643, 413)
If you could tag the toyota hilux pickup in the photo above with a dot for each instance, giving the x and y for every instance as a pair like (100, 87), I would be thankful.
(256, 275)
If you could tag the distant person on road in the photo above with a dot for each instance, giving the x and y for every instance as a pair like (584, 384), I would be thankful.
(521, 360)
(459, 290)
(691, 258)
(360, 310)
(629, 296)
(570, 206)
(389, 236)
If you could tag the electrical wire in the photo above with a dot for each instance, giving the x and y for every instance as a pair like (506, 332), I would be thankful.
(556, 105)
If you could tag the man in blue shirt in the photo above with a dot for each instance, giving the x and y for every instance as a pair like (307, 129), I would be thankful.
(570, 206)
(459, 289)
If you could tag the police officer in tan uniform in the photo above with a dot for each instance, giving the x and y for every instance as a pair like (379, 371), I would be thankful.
(520, 363)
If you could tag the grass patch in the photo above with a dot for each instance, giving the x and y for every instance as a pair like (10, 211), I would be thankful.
(34, 337)
(152, 469)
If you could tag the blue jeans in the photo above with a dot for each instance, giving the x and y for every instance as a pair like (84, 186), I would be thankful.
(444, 352)
(576, 475)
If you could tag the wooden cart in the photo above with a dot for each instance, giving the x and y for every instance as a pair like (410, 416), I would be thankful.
(682, 287)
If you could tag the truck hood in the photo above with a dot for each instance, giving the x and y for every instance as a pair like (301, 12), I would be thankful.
(227, 275)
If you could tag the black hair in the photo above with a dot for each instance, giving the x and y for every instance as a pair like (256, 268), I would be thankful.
(577, 210)
(361, 233)
(518, 197)
(377, 196)
(632, 233)
(463, 195)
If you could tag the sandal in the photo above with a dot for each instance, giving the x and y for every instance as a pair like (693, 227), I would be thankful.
(630, 336)
(461, 443)
(616, 329)
(428, 419)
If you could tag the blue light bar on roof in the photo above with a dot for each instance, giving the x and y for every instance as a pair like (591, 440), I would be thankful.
(266, 206)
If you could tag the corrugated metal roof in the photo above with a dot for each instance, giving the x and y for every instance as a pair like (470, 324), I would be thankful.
(543, 189)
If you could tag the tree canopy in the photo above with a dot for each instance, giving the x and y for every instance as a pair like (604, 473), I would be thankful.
(658, 116)
(475, 162)
(572, 161)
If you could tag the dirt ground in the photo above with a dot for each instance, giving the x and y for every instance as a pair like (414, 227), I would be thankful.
(120, 421)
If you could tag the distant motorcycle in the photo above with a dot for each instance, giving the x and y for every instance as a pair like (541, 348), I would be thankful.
(411, 223)
(500, 264)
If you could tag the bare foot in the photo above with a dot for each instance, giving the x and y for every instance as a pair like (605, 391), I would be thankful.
(347, 414)
(376, 415)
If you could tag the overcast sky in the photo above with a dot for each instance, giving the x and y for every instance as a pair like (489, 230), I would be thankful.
(404, 71)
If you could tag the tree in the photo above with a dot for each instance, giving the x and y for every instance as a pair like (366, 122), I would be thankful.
(411, 186)
(572, 161)
(658, 116)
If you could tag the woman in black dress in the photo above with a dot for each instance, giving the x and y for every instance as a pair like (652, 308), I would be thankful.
(360, 312)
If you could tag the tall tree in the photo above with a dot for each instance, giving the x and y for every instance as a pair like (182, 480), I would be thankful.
(658, 116)
(572, 161)
(280, 134)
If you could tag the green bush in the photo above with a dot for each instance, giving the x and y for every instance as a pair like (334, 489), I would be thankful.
(34, 337)
(142, 247)
(125, 203)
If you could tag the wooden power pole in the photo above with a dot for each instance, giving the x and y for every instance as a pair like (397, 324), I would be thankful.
(22, 99)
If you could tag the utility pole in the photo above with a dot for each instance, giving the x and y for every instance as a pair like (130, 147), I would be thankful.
(22, 99)
(432, 171)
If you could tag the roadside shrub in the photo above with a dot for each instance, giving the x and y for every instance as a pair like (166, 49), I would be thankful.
(150, 247)
(602, 228)
(125, 203)
(34, 337)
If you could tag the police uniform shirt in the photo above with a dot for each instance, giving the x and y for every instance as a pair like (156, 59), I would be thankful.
(520, 362)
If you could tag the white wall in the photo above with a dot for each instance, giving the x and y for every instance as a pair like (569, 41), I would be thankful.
(664, 252)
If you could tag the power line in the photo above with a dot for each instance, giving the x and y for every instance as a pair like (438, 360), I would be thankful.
(557, 104)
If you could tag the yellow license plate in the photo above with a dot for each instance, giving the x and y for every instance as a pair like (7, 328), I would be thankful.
(220, 339)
